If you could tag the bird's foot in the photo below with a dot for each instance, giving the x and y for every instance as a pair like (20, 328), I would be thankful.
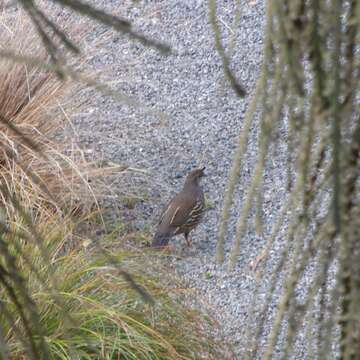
(163, 248)
(254, 263)
(167, 249)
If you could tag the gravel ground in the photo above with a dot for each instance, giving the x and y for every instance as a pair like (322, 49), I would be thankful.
(199, 124)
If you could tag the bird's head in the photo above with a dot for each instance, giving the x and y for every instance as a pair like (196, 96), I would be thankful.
(195, 176)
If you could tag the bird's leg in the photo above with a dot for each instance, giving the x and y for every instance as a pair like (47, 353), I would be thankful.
(188, 239)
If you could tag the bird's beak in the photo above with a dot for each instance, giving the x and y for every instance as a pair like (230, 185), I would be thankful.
(202, 170)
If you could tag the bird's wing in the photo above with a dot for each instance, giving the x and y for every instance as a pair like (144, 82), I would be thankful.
(167, 210)
(181, 211)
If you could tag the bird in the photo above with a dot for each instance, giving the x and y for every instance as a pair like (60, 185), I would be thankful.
(183, 213)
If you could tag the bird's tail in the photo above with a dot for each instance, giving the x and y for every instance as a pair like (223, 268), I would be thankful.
(160, 240)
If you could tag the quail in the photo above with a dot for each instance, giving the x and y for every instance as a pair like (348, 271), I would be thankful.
(183, 213)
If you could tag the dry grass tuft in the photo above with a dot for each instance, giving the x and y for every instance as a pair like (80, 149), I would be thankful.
(49, 171)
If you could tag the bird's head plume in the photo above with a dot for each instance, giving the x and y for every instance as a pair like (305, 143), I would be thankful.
(195, 176)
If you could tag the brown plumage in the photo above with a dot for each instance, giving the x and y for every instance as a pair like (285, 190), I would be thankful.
(183, 212)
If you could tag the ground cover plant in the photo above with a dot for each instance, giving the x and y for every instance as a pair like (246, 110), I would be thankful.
(62, 296)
